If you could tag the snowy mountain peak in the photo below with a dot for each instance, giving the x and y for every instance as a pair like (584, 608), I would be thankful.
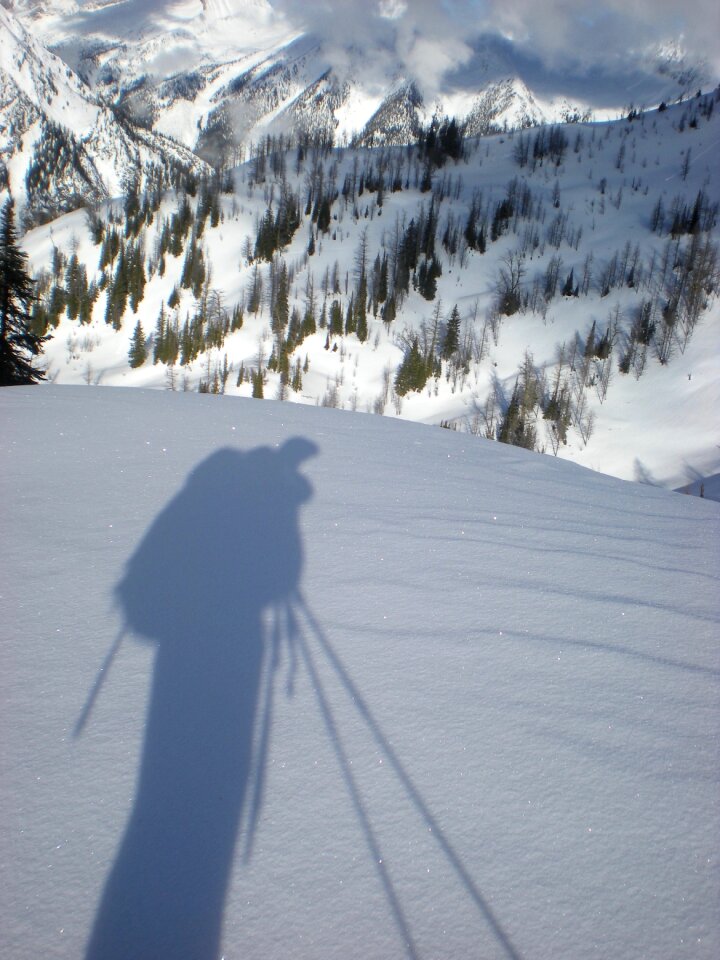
(129, 53)
(60, 146)
(31, 71)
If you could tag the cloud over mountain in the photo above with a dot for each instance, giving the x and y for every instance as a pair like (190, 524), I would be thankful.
(430, 37)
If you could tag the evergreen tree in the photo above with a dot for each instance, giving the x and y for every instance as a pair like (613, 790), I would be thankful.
(350, 316)
(236, 318)
(569, 289)
(389, 311)
(323, 219)
(55, 305)
(451, 342)
(589, 350)
(280, 300)
(297, 377)
(413, 372)
(117, 293)
(381, 293)
(336, 318)
(160, 337)
(254, 300)
(137, 354)
(18, 344)
(427, 275)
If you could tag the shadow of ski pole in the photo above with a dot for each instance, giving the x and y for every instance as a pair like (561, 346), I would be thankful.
(92, 696)
(353, 790)
(364, 710)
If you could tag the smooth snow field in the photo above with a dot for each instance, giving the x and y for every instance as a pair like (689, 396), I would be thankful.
(287, 682)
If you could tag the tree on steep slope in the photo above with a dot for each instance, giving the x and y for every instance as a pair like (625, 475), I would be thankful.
(18, 344)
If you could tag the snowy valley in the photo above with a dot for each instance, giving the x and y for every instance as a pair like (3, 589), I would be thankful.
(554, 287)
(300, 215)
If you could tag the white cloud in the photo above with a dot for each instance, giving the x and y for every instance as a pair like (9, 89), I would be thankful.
(392, 9)
(432, 36)
(592, 32)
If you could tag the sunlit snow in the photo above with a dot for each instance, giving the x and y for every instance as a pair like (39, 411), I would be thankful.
(289, 682)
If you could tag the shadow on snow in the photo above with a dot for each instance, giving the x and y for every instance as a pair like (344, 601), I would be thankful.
(224, 550)
(224, 553)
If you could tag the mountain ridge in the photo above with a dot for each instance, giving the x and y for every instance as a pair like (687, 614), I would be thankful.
(133, 63)
(62, 146)
(561, 257)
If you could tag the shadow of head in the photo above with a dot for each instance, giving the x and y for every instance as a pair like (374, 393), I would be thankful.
(227, 545)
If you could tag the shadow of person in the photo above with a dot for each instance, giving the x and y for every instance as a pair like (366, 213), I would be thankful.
(223, 551)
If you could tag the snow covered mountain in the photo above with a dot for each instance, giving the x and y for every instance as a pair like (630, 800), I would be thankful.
(217, 75)
(388, 691)
(60, 146)
(556, 288)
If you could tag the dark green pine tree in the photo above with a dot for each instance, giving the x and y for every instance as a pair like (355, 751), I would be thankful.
(350, 316)
(257, 385)
(137, 354)
(280, 305)
(117, 292)
(381, 293)
(361, 327)
(160, 335)
(515, 428)
(336, 318)
(428, 272)
(412, 373)
(569, 289)
(297, 377)
(55, 304)
(389, 311)
(323, 220)
(18, 344)
(511, 427)
(451, 342)
(589, 350)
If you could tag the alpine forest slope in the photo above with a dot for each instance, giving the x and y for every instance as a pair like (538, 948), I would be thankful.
(552, 287)
(292, 682)
(61, 146)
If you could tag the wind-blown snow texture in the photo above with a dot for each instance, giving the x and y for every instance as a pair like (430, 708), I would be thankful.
(461, 698)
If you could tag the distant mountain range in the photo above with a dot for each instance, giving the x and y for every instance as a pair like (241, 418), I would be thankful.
(136, 85)
(61, 144)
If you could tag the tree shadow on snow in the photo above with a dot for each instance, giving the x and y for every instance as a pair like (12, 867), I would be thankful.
(223, 551)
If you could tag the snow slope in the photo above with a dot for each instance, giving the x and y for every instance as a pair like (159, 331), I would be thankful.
(60, 146)
(657, 426)
(462, 698)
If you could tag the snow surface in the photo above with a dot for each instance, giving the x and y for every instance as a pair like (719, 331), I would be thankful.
(461, 698)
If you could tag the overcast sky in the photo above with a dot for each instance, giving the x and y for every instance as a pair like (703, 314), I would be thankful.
(435, 33)
(429, 39)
